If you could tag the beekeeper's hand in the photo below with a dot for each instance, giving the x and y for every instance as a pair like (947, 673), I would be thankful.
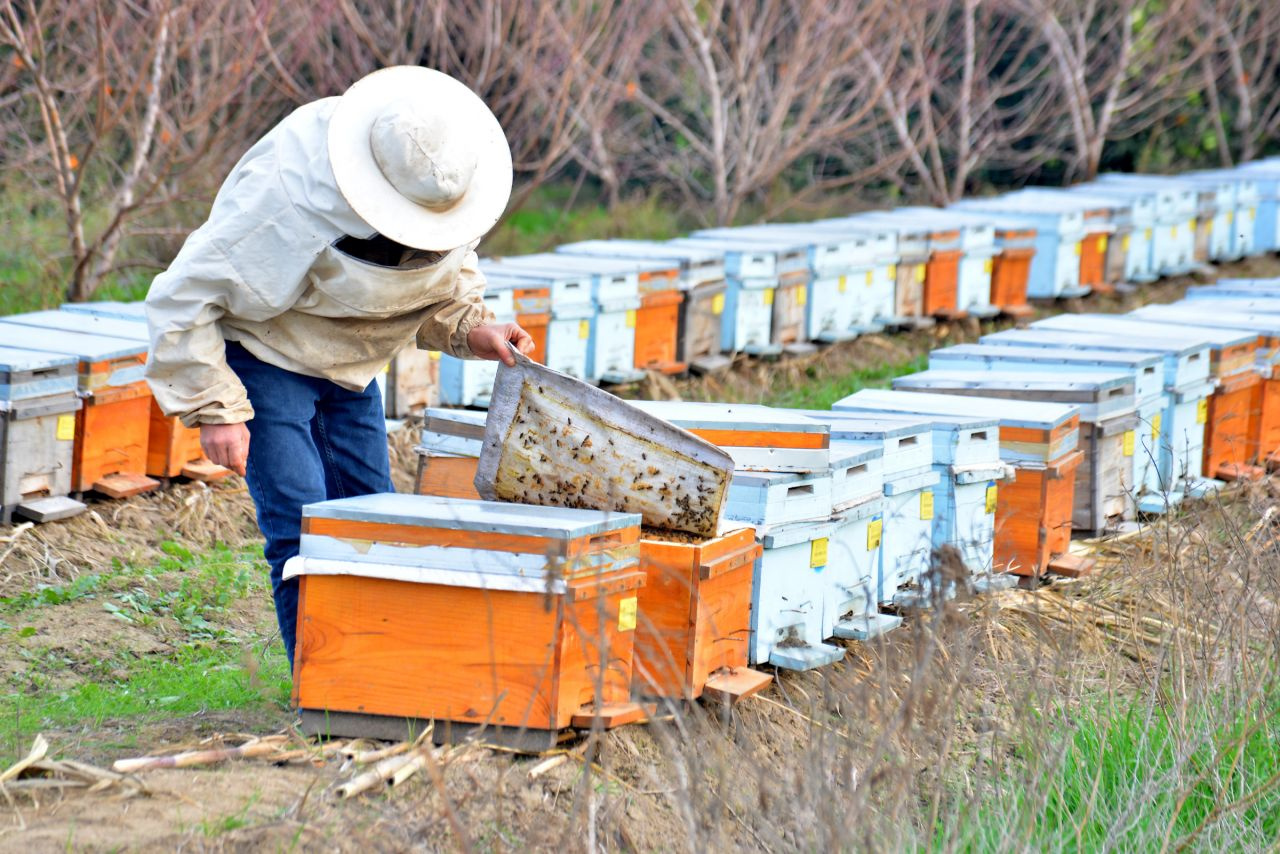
(226, 444)
(489, 341)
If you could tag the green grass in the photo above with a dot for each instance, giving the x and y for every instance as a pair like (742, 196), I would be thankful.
(822, 391)
(186, 599)
(1135, 778)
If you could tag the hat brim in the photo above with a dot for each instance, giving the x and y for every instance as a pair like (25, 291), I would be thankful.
(373, 197)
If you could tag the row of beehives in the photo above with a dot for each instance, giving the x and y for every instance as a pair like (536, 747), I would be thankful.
(77, 416)
(607, 310)
(991, 457)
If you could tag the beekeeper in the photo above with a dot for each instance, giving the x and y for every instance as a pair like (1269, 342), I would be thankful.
(343, 235)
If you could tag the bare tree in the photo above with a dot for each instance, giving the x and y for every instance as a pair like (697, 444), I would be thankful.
(1239, 69)
(1121, 66)
(742, 91)
(122, 106)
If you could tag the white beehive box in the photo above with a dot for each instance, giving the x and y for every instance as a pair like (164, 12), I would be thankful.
(1055, 268)
(572, 313)
(788, 595)
(759, 438)
(468, 382)
(851, 607)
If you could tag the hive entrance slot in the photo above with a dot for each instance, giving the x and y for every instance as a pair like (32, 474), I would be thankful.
(978, 437)
(804, 489)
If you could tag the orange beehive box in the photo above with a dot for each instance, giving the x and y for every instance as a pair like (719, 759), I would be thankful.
(1011, 270)
(695, 617)
(941, 279)
(533, 313)
(1093, 260)
(1233, 414)
(657, 331)
(174, 450)
(113, 426)
(448, 453)
(468, 614)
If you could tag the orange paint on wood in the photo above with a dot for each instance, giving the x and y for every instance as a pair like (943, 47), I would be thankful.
(170, 446)
(743, 439)
(1269, 419)
(434, 652)
(941, 281)
(111, 437)
(1033, 516)
(536, 325)
(694, 614)
(467, 539)
(1231, 428)
(1093, 261)
(657, 329)
(1010, 272)
(449, 477)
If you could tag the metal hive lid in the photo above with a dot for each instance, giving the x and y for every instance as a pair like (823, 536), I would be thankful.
(1013, 379)
(850, 452)
(737, 417)
(17, 359)
(462, 514)
(1266, 324)
(865, 425)
(91, 324)
(110, 308)
(83, 346)
(1012, 413)
(642, 249)
(1085, 355)
(1214, 337)
(1038, 336)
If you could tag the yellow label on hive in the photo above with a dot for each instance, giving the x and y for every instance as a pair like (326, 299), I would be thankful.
(1130, 436)
(1155, 426)
(768, 296)
(893, 271)
(66, 428)
(386, 369)
(990, 506)
(627, 611)
(988, 265)
(584, 329)
(1202, 411)
(926, 504)
(1253, 213)
(818, 553)
(919, 272)
(1102, 244)
(1124, 243)
(433, 355)
(842, 284)
(1079, 248)
(802, 296)
(870, 278)
(1231, 215)
(1174, 230)
(1147, 234)
(631, 319)
(717, 304)
(1191, 225)
(875, 532)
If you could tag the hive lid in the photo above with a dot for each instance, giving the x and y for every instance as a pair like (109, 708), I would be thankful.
(1132, 359)
(732, 417)
(509, 273)
(1103, 323)
(1089, 383)
(555, 440)
(1199, 313)
(850, 452)
(85, 347)
(646, 249)
(1012, 413)
(91, 324)
(110, 308)
(1041, 336)
(463, 514)
(16, 359)
(868, 425)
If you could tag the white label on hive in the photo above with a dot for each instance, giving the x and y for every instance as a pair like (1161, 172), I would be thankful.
(875, 532)
(66, 428)
(818, 553)
(926, 504)
(991, 497)
(627, 611)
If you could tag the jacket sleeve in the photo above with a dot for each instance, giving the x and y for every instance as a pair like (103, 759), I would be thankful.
(449, 322)
(249, 260)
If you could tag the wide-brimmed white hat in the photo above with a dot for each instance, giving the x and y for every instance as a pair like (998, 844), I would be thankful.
(420, 158)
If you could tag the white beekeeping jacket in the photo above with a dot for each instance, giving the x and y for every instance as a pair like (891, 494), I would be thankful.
(264, 270)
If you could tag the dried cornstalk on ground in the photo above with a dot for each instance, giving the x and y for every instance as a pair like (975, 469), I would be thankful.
(36, 772)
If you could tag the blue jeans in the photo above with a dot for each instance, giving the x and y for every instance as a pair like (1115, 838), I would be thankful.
(310, 440)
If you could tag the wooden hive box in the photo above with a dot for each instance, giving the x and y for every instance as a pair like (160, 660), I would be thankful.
(448, 453)
(657, 319)
(531, 303)
(571, 306)
(701, 281)
(470, 614)
(694, 628)
(468, 382)
(907, 270)
(1216, 205)
(38, 405)
(942, 272)
(111, 431)
(966, 456)
(874, 296)
(1263, 407)
(411, 382)
(910, 485)
(1055, 267)
(173, 450)
(1177, 429)
(1034, 508)
(759, 438)
(1146, 368)
(1104, 489)
(1129, 250)
(851, 601)
(1226, 440)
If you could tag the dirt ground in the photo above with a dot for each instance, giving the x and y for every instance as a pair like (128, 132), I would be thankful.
(843, 757)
